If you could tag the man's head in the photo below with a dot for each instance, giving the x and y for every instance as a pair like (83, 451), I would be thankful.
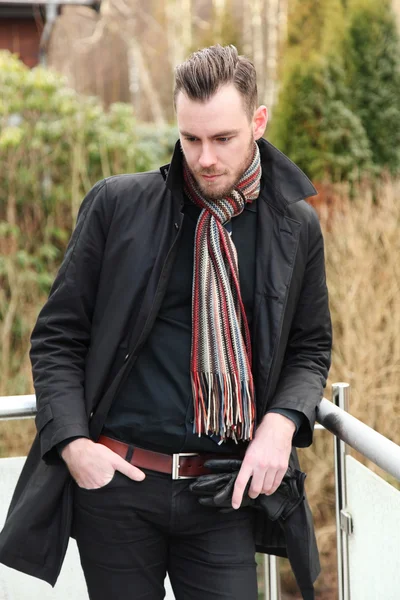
(216, 104)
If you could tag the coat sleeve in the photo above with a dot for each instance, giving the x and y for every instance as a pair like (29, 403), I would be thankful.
(61, 337)
(308, 352)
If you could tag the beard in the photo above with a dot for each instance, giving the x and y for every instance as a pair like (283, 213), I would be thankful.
(210, 191)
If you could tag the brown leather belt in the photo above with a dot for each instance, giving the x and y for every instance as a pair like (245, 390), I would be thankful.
(185, 465)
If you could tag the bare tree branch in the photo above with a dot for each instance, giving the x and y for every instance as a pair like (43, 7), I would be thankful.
(258, 39)
(272, 54)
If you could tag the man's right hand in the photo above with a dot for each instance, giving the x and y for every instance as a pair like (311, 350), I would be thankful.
(93, 465)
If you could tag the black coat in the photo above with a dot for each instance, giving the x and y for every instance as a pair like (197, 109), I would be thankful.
(102, 306)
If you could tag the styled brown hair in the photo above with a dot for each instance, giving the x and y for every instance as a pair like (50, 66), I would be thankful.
(205, 71)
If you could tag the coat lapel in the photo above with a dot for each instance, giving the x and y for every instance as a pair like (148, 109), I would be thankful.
(283, 184)
(277, 243)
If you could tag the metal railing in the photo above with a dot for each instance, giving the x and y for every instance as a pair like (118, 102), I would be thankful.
(348, 430)
(17, 407)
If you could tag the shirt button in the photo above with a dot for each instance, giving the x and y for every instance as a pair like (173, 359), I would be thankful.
(176, 225)
(126, 357)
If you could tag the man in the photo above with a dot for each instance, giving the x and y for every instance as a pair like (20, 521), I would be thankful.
(190, 315)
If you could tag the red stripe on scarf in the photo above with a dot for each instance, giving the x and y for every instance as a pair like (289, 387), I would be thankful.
(221, 348)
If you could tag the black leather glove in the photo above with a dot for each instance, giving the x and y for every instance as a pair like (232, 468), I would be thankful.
(216, 490)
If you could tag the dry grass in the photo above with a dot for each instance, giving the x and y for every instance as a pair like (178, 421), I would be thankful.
(16, 437)
(362, 240)
(363, 267)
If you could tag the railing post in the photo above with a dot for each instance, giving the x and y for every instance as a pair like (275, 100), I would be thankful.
(272, 580)
(341, 398)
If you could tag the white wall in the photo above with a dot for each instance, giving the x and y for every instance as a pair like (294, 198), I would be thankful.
(374, 546)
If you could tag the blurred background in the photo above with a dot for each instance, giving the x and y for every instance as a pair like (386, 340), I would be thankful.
(86, 92)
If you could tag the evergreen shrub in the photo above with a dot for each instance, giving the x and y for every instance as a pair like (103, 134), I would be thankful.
(54, 145)
(314, 125)
(338, 113)
(372, 58)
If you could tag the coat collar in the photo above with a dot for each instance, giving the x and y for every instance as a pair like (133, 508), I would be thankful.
(282, 181)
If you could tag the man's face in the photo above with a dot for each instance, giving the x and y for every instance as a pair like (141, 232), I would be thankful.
(217, 140)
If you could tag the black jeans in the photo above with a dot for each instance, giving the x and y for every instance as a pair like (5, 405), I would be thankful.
(130, 534)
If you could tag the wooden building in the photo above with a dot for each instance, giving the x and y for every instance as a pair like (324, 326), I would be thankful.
(25, 27)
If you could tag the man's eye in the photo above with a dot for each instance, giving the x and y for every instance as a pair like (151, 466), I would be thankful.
(191, 139)
(224, 139)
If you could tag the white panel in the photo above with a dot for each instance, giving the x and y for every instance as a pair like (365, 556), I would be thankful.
(18, 586)
(374, 546)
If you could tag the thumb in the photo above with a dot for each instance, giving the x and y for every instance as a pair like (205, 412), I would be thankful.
(129, 470)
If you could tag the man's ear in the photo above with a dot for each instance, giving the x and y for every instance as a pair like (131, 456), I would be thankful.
(260, 120)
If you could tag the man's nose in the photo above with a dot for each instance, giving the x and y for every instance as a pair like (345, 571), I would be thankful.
(207, 157)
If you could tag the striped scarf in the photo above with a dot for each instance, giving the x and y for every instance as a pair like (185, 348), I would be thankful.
(222, 382)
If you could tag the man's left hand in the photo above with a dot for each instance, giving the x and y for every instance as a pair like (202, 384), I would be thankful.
(266, 459)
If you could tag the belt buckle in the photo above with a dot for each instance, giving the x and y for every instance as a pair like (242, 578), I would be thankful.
(176, 465)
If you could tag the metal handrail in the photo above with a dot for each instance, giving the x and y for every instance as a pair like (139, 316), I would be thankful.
(374, 446)
(359, 436)
(17, 407)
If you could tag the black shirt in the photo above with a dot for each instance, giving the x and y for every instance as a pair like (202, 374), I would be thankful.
(154, 408)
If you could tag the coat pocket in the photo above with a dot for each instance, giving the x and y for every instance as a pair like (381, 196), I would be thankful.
(99, 489)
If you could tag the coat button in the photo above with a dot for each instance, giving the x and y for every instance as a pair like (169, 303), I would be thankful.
(176, 225)
(126, 357)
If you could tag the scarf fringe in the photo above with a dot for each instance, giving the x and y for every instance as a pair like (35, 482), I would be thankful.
(224, 406)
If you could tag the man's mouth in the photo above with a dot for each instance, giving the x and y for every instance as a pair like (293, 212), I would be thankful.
(210, 177)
